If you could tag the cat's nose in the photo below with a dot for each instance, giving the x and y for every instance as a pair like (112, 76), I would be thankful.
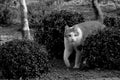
(72, 40)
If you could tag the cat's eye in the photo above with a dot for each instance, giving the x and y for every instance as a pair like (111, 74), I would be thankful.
(69, 35)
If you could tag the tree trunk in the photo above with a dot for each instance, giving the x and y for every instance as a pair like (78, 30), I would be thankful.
(24, 20)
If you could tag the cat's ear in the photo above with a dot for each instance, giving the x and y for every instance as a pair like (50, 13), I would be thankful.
(66, 27)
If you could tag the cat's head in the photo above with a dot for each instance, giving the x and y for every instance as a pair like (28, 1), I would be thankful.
(73, 34)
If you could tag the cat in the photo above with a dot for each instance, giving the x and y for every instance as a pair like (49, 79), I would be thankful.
(74, 36)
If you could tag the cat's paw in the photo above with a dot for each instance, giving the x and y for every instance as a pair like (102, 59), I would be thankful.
(68, 65)
(76, 67)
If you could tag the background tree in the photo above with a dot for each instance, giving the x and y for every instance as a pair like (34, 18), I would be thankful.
(24, 20)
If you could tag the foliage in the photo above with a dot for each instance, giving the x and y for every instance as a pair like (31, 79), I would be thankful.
(4, 1)
(111, 21)
(22, 58)
(51, 30)
(103, 49)
(67, 0)
(34, 14)
(50, 2)
(7, 13)
(36, 11)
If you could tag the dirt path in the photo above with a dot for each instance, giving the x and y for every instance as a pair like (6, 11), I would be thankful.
(60, 72)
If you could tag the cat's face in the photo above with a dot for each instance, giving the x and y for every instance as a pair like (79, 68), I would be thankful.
(72, 34)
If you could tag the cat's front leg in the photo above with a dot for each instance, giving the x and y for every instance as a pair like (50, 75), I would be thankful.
(77, 59)
(67, 54)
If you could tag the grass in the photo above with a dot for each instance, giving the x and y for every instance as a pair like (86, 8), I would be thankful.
(11, 32)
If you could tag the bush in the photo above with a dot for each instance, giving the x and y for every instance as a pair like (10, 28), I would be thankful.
(67, 0)
(21, 58)
(111, 21)
(103, 49)
(36, 11)
(51, 30)
(5, 15)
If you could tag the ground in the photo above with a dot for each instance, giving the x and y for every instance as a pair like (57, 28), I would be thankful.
(60, 72)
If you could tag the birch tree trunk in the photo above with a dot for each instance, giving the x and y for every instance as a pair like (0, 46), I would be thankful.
(24, 20)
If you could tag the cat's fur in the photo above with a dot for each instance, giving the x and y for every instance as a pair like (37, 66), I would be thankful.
(75, 35)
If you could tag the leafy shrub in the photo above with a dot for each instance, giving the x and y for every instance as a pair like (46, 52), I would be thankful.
(4, 1)
(21, 58)
(7, 12)
(5, 15)
(111, 21)
(67, 0)
(49, 2)
(103, 49)
(36, 11)
(51, 30)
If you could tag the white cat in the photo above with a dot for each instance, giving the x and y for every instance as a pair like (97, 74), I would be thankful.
(75, 35)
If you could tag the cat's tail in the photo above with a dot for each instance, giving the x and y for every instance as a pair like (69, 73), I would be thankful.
(98, 11)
